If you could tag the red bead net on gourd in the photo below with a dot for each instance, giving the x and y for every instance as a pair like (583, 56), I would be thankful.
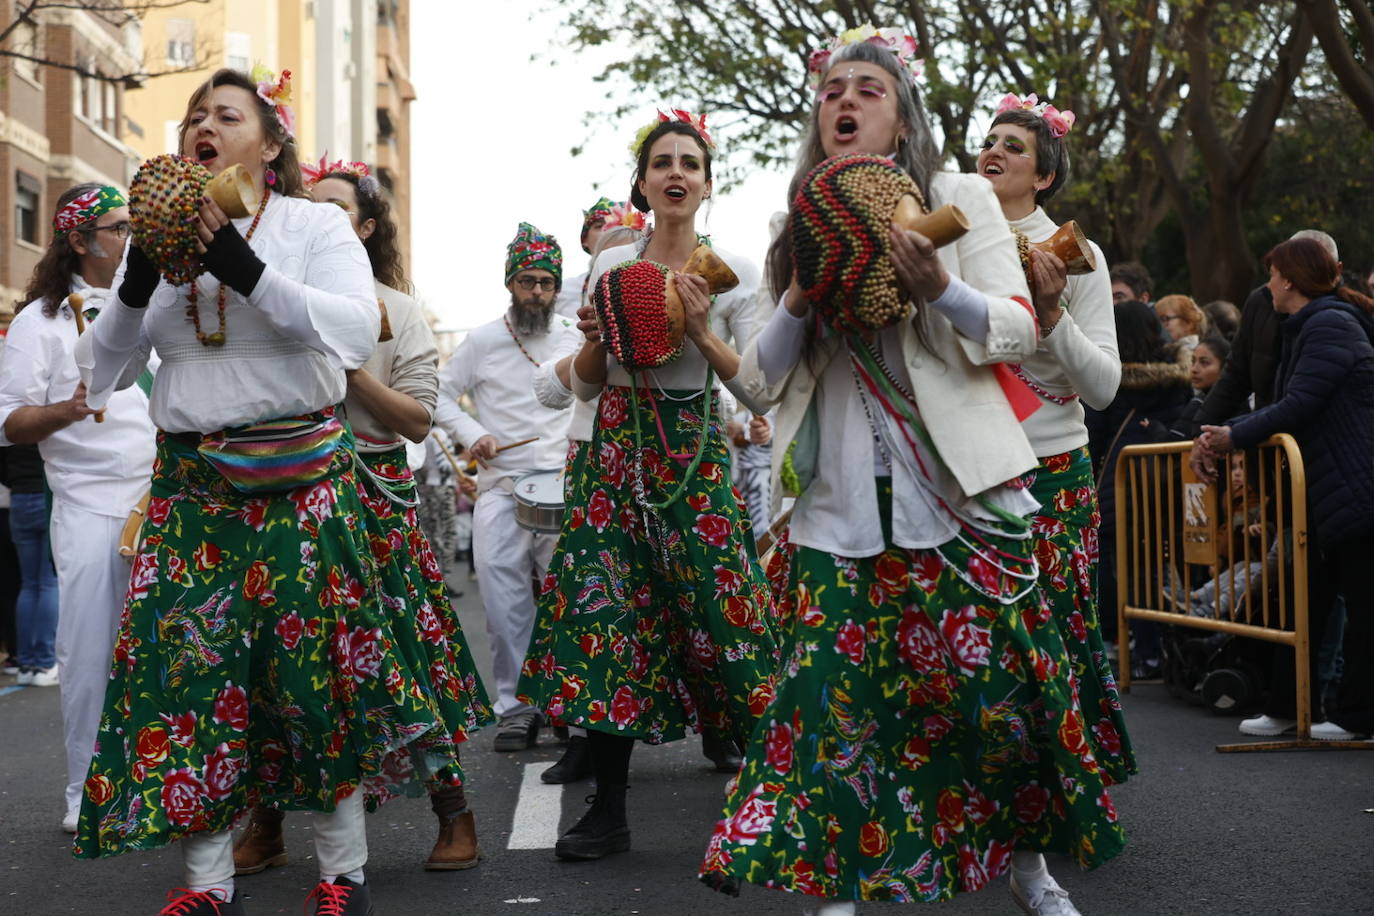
(632, 309)
(163, 200)
(840, 244)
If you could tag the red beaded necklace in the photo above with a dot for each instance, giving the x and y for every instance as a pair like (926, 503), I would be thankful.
(513, 337)
(217, 338)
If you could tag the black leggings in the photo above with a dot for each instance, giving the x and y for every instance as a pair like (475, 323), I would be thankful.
(610, 757)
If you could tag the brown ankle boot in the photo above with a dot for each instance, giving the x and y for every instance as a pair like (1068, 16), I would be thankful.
(260, 844)
(456, 848)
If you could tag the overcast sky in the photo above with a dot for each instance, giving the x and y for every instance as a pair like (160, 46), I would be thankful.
(491, 134)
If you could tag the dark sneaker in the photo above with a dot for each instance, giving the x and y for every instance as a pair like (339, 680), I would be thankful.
(517, 732)
(183, 902)
(342, 898)
(721, 750)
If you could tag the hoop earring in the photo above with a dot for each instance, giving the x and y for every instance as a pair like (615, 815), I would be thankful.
(270, 177)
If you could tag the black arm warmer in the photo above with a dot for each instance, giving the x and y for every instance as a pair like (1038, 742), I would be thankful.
(231, 261)
(140, 279)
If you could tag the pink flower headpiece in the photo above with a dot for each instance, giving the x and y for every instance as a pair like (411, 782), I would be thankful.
(698, 123)
(902, 46)
(624, 216)
(1060, 122)
(314, 174)
(276, 91)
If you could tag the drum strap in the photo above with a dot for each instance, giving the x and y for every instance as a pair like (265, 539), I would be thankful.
(386, 489)
(691, 471)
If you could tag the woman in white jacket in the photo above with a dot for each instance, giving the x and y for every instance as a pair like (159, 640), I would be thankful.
(919, 732)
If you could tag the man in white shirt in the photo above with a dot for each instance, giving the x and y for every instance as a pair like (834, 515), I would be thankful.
(97, 473)
(495, 365)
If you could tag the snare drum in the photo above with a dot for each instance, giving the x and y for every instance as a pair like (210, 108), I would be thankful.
(539, 502)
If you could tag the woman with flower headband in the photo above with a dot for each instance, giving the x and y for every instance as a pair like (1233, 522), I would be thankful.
(1076, 362)
(256, 660)
(918, 744)
(392, 396)
(654, 615)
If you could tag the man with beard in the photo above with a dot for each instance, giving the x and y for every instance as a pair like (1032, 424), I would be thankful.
(495, 366)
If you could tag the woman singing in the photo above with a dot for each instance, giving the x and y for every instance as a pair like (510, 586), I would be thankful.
(921, 740)
(654, 616)
(258, 660)
(1076, 361)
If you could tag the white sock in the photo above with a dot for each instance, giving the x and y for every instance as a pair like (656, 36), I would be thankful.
(831, 908)
(356, 876)
(1031, 873)
(224, 890)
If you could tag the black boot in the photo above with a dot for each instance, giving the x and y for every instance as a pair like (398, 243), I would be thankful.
(601, 831)
(574, 766)
(721, 750)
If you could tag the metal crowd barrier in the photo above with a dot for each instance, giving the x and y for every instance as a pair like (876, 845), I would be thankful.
(1168, 522)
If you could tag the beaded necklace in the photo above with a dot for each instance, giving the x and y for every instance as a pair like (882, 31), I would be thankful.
(217, 338)
(534, 362)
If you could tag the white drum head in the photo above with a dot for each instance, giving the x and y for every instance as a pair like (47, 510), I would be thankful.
(542, 488)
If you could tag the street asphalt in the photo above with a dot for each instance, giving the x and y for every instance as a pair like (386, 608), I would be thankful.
(1210, 833)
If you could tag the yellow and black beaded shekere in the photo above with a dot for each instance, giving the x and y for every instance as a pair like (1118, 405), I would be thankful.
(841, 218)
(632, 308)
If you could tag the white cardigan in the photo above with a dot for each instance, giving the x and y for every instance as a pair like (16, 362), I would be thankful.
(959, 398)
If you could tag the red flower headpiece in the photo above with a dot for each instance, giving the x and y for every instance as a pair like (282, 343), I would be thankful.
(698, 124)
(314, 174)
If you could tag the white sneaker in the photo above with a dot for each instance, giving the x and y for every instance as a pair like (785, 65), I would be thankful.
(10, 668)
(25, 677)
(45, 677)
(69, 822)
(1048, 899)
(1268, 726)
(1330, 731)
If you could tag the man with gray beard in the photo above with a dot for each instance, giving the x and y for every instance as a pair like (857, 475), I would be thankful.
(495, 366)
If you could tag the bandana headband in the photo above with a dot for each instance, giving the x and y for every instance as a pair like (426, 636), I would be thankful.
(276, 91)
(86, 207)
(314, 174)
(533, 250)
(903, 47)
(1060, 122)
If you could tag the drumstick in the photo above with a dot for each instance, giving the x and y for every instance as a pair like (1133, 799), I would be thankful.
(75, 301)
(502, 448)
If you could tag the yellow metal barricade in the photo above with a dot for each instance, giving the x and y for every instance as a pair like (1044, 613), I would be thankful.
(1167, 522)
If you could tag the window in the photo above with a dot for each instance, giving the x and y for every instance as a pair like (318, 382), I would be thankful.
(26, 42)
(238, 50)
(181, 39)
(109, 110)
(26, 200)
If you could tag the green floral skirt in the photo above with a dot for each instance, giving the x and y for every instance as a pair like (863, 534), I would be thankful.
(1066, 550)
(652, 622)
(263, 656)
(919, 734)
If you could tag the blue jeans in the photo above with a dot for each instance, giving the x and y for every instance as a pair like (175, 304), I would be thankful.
(36, 610)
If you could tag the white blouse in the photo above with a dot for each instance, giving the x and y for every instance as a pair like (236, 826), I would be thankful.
(408, 363)
(734, 318)
(312, 315)
(1079, 357)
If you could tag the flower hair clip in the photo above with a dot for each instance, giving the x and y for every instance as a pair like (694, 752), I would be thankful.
(276, 91)
(677, 114)
(314, 174)
(902, 46)
(623, 216)
(1060, 122)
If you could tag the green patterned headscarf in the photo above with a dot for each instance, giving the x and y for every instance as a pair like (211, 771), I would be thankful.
(85, 207)
(533, 250)
(598, 213)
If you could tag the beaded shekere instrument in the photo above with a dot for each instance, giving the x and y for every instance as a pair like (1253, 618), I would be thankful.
(841, 218)
(1068, 243)
(640, 312)
(163, 200)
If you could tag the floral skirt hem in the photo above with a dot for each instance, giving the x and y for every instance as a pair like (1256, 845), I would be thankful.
(261, 658)
(919, 734)
(1066, 539)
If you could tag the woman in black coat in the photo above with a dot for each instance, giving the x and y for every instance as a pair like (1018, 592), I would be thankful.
(1153, 394)
(1325, 399)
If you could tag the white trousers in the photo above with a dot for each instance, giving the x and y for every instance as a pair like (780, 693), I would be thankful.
(509, 560)
(340, 846)
(92, 580)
